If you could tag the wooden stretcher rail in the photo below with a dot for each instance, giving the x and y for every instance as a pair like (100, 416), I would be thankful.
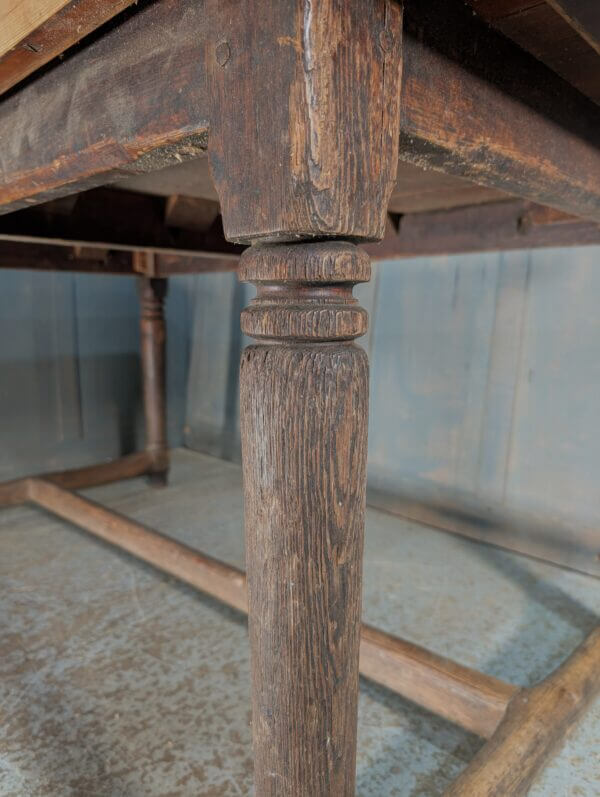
(469, 698)
(535, 723)
(17, 491)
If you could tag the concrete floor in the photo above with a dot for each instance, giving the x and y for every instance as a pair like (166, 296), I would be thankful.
(117, 681)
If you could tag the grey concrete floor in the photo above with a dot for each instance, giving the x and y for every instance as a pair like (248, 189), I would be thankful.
(117, 681)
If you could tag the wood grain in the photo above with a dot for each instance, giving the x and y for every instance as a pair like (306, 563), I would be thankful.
(476, 106)
(304, 443)
(335, 69)
(536, 722)
(23, 17)
(471, 699)
(153, 335)
(45, 31)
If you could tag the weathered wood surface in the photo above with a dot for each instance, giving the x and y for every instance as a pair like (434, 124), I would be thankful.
(328, 81)
(179, 560)
(35, 32)
(304, 447)
(473, 700)
(475, 105)
(16, 491)
(536, 722)
(511, 224)
(134, 100)
(542, 28)
(23, 17)
(497, 226)
(583, 16)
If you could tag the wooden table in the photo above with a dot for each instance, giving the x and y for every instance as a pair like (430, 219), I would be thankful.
(303, 110)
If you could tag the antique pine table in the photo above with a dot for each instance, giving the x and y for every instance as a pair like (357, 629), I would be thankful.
(300, 110)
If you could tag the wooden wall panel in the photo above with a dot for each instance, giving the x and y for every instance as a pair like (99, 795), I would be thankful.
(485, 379)
(69, 370)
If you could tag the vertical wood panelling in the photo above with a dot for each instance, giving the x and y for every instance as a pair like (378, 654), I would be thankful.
(484, 392)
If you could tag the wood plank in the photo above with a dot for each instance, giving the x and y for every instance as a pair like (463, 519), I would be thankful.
(476, 106)
(129, 102)
(36, 31)
(473, 105)
(536, 723)
(415, 190)
(582, 15)
(539, 28)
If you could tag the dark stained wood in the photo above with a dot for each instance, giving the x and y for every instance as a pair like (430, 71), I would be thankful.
(418, 190)
(30, 253)
(304, 443)
(536, 722)
(102, 258)
(471, 699)
(224, 582)
(582, 15)
(131, 101)
(476, 106)
(191, 213)
(415, 189)
(338, 68)
(498, 226)
(539, 28)
(129, 218)
(55, 35)
(17, 491)
(153, 334)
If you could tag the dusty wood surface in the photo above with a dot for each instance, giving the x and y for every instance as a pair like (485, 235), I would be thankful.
(475, 105)
(304, 446)
(462, 72)
(45, 30)
(153, 335)
(338, 68)
(113, 108)
(535, 724)
(88, 257)
(498, 226)
(473, 700)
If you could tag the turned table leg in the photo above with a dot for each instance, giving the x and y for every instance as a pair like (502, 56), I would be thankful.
(303, 155)
(152, 353)
(304, 396)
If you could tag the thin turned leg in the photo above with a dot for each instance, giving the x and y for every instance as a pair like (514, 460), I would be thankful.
(153, 358)
(304, 396)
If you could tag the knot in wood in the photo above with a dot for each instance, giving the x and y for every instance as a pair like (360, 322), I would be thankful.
(304, 291)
